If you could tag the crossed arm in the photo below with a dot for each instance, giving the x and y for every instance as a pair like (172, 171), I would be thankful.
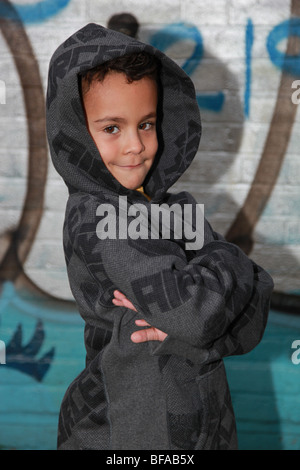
(140, 336)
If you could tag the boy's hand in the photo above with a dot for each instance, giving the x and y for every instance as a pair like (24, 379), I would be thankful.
(121, 301)
(141, 336)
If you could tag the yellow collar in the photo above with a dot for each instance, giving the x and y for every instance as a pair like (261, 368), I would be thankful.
(141, 190)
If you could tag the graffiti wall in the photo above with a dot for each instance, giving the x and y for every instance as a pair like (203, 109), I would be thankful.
(244, 58)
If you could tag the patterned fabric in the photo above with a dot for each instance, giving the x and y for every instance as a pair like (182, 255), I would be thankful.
(212, 302)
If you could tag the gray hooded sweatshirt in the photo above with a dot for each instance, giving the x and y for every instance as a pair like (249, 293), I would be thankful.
(211, 301)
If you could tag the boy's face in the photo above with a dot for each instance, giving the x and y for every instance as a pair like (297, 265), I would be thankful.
(121, 118)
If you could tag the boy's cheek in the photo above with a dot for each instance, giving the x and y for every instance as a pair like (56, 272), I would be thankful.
(103, 149)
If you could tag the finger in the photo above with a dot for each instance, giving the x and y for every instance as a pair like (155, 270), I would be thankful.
(141, 336)
(124, 303)
(141, 323)
(118, 295)
(129, 305)
(121, 301)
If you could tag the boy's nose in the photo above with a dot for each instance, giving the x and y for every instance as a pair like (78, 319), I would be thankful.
(133, 143)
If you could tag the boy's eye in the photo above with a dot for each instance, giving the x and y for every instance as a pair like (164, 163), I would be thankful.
(111, 129)
(145, 126)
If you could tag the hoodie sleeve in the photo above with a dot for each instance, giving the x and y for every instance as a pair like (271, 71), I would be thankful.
(212, 305)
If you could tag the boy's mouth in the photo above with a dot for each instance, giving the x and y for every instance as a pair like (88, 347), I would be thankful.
(130, 167)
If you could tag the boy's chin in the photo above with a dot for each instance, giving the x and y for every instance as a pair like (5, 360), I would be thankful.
(132, 186)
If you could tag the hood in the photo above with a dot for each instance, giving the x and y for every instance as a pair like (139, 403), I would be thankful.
(73, 151)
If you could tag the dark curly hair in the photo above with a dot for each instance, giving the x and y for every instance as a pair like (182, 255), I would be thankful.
(135, 66)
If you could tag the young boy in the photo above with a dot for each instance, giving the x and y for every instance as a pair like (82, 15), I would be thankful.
(123, 125)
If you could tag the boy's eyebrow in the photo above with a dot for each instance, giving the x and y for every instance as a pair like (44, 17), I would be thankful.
(120, 119)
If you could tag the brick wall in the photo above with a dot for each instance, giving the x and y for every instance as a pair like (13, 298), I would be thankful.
(232, 142)
(231, 49)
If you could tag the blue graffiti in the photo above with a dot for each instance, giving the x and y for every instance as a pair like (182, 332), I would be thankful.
(176, 32)
(249, 43)
(287, 63)
(213, 101)
(33, 12)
